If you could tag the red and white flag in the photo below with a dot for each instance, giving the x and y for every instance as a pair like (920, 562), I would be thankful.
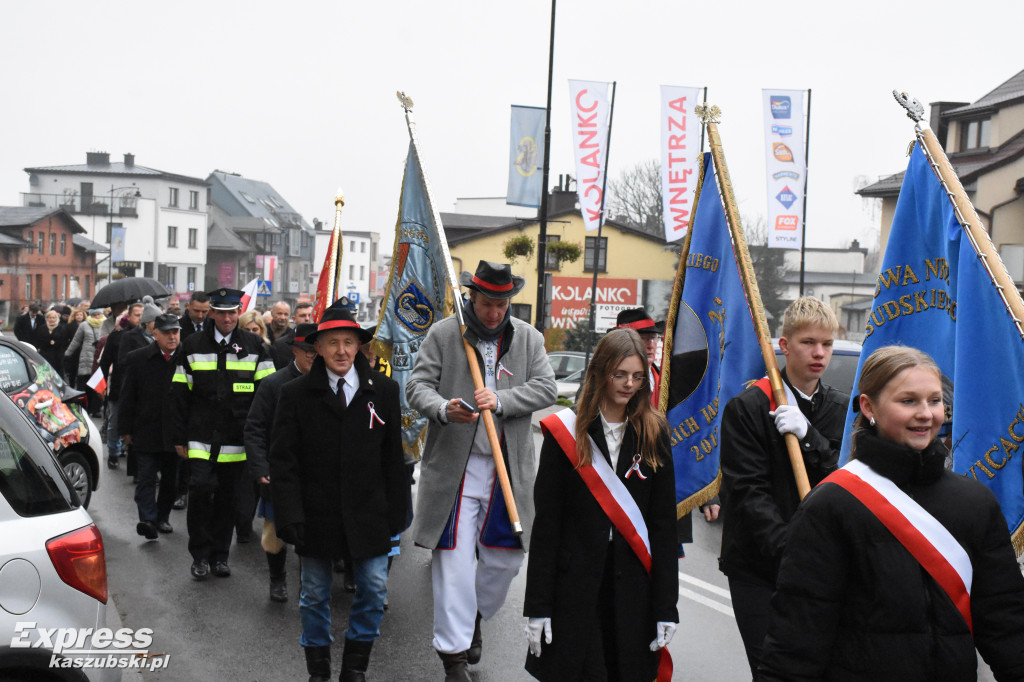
(249, 295)
(590, 108)
(97, 381)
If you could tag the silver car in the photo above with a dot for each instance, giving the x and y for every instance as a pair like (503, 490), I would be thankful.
(53, 573)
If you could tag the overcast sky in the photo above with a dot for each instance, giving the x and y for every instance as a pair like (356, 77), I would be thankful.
(302, 95)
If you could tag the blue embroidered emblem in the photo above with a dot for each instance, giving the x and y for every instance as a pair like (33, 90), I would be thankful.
(414, 309)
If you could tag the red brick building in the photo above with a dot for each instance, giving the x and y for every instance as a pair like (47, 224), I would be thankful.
(44, 256)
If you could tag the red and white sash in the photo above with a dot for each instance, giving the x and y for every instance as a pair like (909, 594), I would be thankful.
(925, 538)
(611, 494)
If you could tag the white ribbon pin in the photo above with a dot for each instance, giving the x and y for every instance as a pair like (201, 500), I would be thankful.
(636, 468)
(502, 368)
(373, 415)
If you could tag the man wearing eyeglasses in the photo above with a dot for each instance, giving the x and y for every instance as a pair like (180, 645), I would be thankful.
(257, 444)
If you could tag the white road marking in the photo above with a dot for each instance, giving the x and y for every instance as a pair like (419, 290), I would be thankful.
(706, 601)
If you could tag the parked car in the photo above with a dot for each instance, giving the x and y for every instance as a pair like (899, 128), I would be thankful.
(570, 385)
(53, 573)
(566, 362)
(841, 371)
(58, 411)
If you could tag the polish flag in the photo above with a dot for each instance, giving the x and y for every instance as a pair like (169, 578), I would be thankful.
(249, 296)
(97, 381)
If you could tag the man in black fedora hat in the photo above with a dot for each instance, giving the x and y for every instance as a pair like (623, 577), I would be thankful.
(651, 332)
(475, 553)
(219, 370)
(339, 484)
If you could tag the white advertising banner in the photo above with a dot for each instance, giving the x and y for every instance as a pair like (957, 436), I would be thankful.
(784, 140)
(590, 109)
(680, 151)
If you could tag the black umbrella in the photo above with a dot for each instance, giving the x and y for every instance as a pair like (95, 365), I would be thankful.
(128, 290)
(74, 301)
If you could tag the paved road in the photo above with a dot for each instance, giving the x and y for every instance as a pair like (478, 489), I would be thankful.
(228, 629)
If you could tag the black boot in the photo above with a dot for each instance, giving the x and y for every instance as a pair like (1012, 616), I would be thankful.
(455, 667)
(278, 575)
(355, 660)
(318, 663)
(476, 647)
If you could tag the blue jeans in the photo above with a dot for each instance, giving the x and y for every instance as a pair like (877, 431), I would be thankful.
(371, 579)
(113, 440)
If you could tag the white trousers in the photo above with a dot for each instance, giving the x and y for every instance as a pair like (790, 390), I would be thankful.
(490, 571)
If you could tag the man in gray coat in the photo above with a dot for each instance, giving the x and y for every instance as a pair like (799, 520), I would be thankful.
(475, 553)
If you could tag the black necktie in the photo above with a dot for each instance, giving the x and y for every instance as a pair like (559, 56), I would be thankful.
(341, 393)
(223, 343)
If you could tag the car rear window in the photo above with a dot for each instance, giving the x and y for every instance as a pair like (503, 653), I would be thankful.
(13, 370)
(30, 479)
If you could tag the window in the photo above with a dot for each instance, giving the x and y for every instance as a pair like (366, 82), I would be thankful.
(351, 272)
(172, 199)
(193, 238)
(588, 255)
(172, 277)
(39, 286)
(975, 134)
(172, 235)
(63, 244)
(42, 243)
(28, 288)
(362, 247)
(191, 274)
(53, 287)
(63, 286)
(523, 311)
(247, 197)
(550, 262)
(362, 272)
(87, 289)
(31, 242)
(193, 200)
(53, 243)
(352, 245)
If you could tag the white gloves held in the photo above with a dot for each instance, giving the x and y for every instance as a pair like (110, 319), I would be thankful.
(535, 627)
(665, 632)
(789, 419)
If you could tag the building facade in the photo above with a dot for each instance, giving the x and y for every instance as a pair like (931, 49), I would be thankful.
(163, 216)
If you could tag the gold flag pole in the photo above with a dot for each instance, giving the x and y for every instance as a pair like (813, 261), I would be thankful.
(474, 365)
(964, 210)
(709, 115)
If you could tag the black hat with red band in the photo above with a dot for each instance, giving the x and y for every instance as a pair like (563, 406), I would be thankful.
(338, 316)
(301, 332)
(493, 280)
(639, 321)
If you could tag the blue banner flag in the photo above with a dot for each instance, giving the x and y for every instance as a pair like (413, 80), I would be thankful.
(418, 294)
(934, 294)
(715, 352)
(526, 152)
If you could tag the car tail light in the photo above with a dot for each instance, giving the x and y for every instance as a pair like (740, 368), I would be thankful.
(80, 562)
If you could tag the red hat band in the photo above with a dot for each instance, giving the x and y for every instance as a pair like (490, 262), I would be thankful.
(639, 324)
(336, 324)
(492, 287)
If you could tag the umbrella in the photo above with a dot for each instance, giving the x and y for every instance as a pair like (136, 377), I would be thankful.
(128, 290)
(74, 301)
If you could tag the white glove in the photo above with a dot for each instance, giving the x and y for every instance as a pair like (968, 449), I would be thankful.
(534, 628)
(665, 632)
(789, 419)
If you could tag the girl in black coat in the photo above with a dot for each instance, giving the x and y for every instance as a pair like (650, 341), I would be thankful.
(595, 612)
(852, 602)
(52, 340)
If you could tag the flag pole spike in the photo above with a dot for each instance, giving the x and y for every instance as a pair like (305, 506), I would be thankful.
(965, 212)
(471, 354)
(710, 115)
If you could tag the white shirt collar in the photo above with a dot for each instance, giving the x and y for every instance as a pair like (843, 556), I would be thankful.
(351, 377)
(218, 337)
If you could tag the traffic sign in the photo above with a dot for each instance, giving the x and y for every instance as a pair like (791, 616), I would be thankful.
(353, 296)
(264, 287)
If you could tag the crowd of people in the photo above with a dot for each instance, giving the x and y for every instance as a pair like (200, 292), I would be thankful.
(892, 567)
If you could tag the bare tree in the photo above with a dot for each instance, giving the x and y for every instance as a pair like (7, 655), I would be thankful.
(635, 198)
(769, 268)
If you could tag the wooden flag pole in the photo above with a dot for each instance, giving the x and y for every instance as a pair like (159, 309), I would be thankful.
(709, 116)
(965, 211)
(471, 355)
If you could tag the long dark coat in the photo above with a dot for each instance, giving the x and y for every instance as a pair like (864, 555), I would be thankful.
(568, 559)
(145, 411)
(343, 482)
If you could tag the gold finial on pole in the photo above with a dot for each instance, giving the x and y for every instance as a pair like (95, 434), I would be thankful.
(339, 199)
(405, 100)
(708, 113)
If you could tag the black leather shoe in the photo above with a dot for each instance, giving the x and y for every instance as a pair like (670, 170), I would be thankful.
(147, 529)
(200, 569)
(278, 590)
(476, 647)
(164, 527)
(220, 569)
(113, 463)
(181, 502)
(244, 535)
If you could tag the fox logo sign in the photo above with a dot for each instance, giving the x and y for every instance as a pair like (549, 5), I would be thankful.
(787, 222)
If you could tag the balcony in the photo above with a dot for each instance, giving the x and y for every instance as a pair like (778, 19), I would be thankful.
(97, 204)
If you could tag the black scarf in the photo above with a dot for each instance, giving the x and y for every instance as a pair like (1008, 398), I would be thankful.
(482, 332)
(899, 463)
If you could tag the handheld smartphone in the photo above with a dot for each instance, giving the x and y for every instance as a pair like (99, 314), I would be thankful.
(466, 406)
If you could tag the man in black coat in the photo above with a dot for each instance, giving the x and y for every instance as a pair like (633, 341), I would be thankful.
(110, 358)
(258, 428)
(339, 482)
(759, 495)
(26, 324)
(280, 349)
(143, 421)
(196, 317)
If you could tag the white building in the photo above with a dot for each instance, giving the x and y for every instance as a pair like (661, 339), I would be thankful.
(359, 268)
(163, 215)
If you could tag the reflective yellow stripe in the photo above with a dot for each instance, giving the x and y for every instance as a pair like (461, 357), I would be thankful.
(230, 457)
(240, 365)
(204, 366)
(195, 453)
(263, 374)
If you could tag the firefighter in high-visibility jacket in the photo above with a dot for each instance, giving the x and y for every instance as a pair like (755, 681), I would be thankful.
(218, 372)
